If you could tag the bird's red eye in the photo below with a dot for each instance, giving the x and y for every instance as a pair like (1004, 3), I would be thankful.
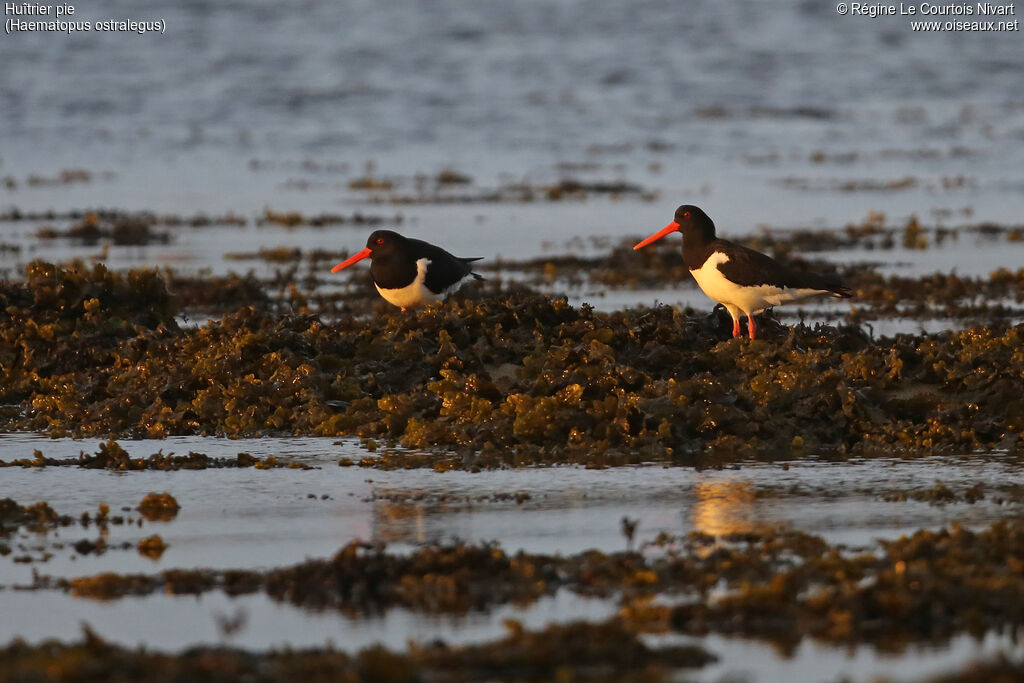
(686, 214)
(380, 240)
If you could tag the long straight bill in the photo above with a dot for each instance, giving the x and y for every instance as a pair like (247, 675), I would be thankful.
(671, 227)
(354, 258)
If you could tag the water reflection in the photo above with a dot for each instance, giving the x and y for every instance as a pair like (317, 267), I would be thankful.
(727, 507)
(401, 521)
(418, 516)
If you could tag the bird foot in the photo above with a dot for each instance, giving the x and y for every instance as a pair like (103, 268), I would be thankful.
(751, 326)
(736, 329)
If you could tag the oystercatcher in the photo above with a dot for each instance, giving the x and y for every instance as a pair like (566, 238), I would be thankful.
(409, 272)
(741, 279)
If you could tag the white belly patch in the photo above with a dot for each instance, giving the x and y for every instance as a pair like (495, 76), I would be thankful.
(414, 294)
(750, 300)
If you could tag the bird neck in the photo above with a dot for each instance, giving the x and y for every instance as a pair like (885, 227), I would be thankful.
(392, 271)
(697, 245)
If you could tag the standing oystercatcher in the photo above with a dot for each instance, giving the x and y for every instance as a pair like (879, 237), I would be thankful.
(409, 272)
(741, 279)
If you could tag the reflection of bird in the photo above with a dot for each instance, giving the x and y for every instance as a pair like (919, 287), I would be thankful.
(400, 521)
(726, 508)
(741, 279)
(231, 624)
(409, 272)
(629, 530)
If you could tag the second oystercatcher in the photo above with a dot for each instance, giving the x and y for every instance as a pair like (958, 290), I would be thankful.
(409, 272)
(741, 279)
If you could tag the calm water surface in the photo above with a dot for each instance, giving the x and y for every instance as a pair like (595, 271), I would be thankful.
(757, 110)
(258, 519)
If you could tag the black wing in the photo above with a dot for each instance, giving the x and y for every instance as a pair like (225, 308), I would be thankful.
(749, 268)
(445, 269)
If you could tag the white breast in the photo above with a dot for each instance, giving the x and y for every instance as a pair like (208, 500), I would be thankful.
(412, 295)
(750, 300)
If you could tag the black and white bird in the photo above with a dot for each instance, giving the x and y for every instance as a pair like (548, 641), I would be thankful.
(410, 273)
(741, 279)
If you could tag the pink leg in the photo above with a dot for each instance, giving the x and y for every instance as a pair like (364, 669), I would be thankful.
(403, 309)
(751, 326)
(736, 329)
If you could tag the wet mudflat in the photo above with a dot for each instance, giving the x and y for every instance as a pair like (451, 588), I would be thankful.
(514, 474)
(247, 551)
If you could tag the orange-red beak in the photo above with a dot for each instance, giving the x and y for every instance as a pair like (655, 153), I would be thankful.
(354, 258)
(671, 227)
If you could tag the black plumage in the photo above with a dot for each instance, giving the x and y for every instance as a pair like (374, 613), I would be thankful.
(409, 272)
(741, 279)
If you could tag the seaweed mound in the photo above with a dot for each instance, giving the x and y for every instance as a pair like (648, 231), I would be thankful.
(517, 379)
(67, 323)
(778, 586)
(574, 651)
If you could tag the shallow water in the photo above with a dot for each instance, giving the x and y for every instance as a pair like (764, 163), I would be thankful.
(513, 90)
(157, 621)
(259, 519)
(267, 624)
(253, 518)
(745, 660)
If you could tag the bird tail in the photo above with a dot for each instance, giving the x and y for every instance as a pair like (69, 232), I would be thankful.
(471, 259)
(827, 283)
(842, 291)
